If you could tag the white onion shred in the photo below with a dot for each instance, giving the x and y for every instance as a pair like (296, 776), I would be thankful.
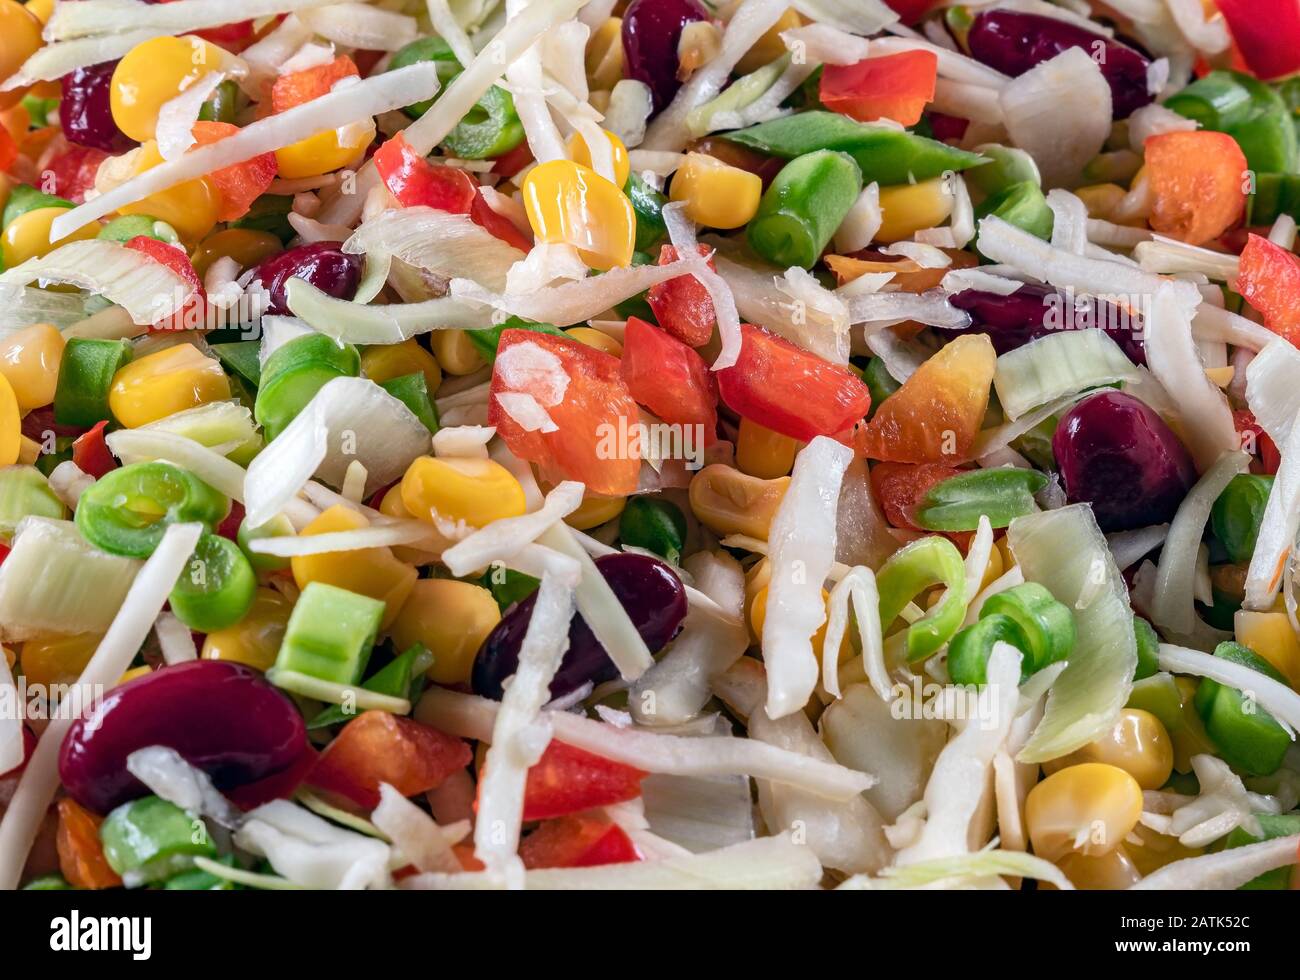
(1224, 871)
(413, 832)
(681, 232)
(176, 119)
(504, 538)
(438, 242)
(1277, 699)
(862, 223)
(858, 587)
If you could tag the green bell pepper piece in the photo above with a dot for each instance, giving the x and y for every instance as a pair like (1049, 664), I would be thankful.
(1238, 513)
(1247, 736)
(223, 106)
(1275, 195)
(242, 357)
(1022, 205)
(648, 204)
(1159, 695)
(803, 207)
(85, 377)
(1148, 647)
(1001, 495)
(970, 649)
(127, 511)
(486, 341)
(1273, 826)
(1253, 114)
(655, 525)
(489, 130)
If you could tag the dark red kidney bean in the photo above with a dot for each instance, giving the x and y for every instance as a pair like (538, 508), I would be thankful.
(1014, 42)
(84, 109)
(1115, 453)
(651, 31)
(1036, 311)
(323, 264)
(220, 716)
(649, 590)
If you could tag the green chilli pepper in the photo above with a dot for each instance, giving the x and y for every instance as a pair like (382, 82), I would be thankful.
(85, 378)
(803, 207)
(150, 839)
(970, 649)
(216, 588)
(1247, 736)
(402, 678)
(1253, 114)
(223, 106)
(648, 204)
(295, 372)
(1001, 495)
(655, 525)
(412, 390)
(130, 226)
(884, 154)
(1238, 513)
(910, 571)
(127, 511)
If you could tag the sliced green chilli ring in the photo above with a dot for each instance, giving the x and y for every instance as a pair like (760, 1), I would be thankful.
(127, 512)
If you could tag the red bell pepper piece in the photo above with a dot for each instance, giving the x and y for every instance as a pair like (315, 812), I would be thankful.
(1269, 280)
(191, 315)
(90, 452)
(669, 378)
(900, 488)
(911, 11)
(499, 225)
(513, 161)
(569, 780)
(71, 173)
(682, 305)
(1267, 33)
(379, 747)
(791, 391)
(896, 86)
(583, 392)
(299, 87)
(577, 842)
(240, 184)
(1257, 442)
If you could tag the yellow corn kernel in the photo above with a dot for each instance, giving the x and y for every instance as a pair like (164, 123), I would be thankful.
(763, 453)
(375, 572)
(727, 501)
(54, 660)
(255, 640)
(907, 208)
(758, 616)
(152, 74)
(1152, 851)
(133, 673)
(29, 451)
(717, 194)
(572, 204)
(392, 506)
(992, 571)
(604, 58)
(455, 352)
(41, 9)
(190, 207)
(622, 167)
(388, 361)
(757, 578)
(1111, 871)
(29, 359)
(1270, 635)
(769, 47)
(1191, 739)
(451, 619)
(1004, 549)
(21, 31)
(28, 235)
(165, 383)
(1137, 743)
(594, 338)
(1101, 199)
(245, 246)
(11, 425)
(476, 491)
(1089, 808)
(323, 153)
(595, 510)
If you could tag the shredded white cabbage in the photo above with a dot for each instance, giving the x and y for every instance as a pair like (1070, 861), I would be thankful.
(444, 244)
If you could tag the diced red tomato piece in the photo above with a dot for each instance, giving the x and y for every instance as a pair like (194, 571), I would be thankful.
(233, 37)
(240, 184)
(791, 391)
(577, 842)
(499, 225)
(1267, 33)
(299, 87)
(81, 856)
(1257, 442)
(569, 780)
(911, 11)
(895, 86)
(669, 378)
(1198, 184)
(1269, 281)
(510, 163)
(900, 487)
(192, 313)
(379, 747)
(464, 852)
(583, 392)
(415, 181)
(71, 173)
(277, 786)
(682, 305)
(90, 452)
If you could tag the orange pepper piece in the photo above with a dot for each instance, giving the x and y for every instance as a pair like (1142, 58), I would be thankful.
(81, 856)
(1199, 182)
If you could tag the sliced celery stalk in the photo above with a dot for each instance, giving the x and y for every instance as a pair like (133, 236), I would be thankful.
(24, 492)
(329, 637)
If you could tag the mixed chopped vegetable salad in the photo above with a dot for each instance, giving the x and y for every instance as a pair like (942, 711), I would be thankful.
(651, 444)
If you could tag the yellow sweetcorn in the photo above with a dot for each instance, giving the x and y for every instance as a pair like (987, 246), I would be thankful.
(245, 246)
(164, 383)
(255, 640)
(594, 338)
(1150, 851)
(392, 506)
(133, 673)
(1101, 199)
(373, 572)
(717, 195)
(908, 208)
(29, 359)
(992, 571)
(476, 491)
(763, 453)
(1137, 743)
(758, 616)
(594, 511)
(769, 47)
(21, 30)
(451, 619)
(572, 204)
(582, 155)
(51, 660)
(324, 153)
(1191, 739)
(455, 352)
(387, 361)
(1088, 808)
(190, 207)
(41, 9)
(28, 235)
(152, 74)
(1111, 871)
(29, 452)
(11, 424)
(1270, 635)
(604, 57)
